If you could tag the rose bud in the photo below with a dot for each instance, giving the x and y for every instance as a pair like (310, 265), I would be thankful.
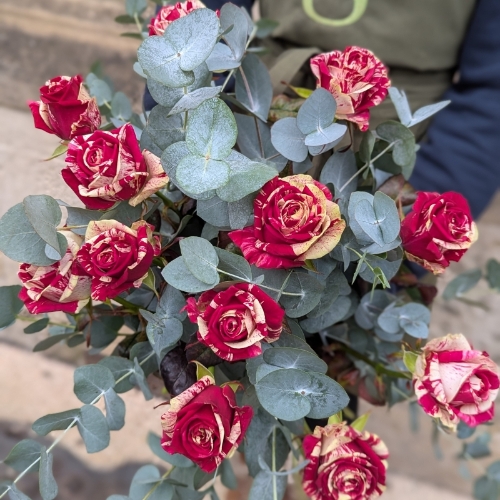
(204, 424)
(65, 108)
(117, 257)
(63, 286)
(439, 229)
(108, 166)
(169, 13)
(345, 464)
(235, 321)
(295, 219)
(356, 78)
(453, 382)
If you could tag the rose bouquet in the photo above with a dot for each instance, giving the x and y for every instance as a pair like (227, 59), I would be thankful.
(259, 254)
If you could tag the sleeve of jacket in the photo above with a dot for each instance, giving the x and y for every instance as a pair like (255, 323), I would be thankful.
(217, 4)
(463, 149)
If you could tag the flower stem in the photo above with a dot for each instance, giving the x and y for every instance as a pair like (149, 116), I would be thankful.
(126, 304)
(275, 486)
(152, 490)
(366, 165)
(166, 201)
(72, 424)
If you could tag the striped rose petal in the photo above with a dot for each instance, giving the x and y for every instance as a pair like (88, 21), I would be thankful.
(345, 464)
(204, 424)
(117, 257)
(63, 286)
(294, 219)
(357, 80)
(234, 322)
(454, 382)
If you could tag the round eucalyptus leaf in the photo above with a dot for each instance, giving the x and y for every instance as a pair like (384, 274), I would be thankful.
(197, 175)
(283, 393)
(211, 130)
(200, 258)
(289, 140)
(287, 357)
(317, 113)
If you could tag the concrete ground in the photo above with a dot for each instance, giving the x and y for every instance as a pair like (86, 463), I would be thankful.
(43, 38)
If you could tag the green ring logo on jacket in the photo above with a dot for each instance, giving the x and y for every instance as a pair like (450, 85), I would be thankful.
(357, 11)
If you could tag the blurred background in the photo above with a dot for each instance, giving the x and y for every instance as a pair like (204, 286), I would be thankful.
(45, 38)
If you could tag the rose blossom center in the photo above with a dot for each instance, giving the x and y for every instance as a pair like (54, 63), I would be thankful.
(235, 325)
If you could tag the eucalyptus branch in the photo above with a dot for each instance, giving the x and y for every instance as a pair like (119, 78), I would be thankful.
(275, 485)
(72, 424)
(138, 23)
(50, 323)
(291, 294)
(166, 201)
(379, 367)
(153, 489)
(126, 304)
(367, 164)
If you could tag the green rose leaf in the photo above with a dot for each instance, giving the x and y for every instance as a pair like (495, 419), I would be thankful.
(289, 140)
(253, 86)
(37, 326)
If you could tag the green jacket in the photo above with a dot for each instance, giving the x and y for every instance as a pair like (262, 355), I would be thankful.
(419, 40)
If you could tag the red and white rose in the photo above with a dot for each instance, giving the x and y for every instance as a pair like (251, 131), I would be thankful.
(169, 13)
(117, 257)
(345, 464)
(234, 322)
(65, 108)
(439, 229)
(108, 166)
(295, 220)
(205, 424)
(63, 286)
(454, 382)
(356, 78)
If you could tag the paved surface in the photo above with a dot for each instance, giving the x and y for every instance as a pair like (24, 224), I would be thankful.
(43, 38)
